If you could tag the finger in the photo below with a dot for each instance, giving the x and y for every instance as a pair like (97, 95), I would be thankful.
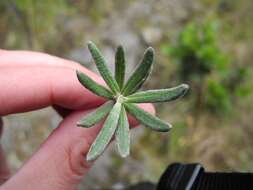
(60, 162)
(28, 58)
(63, 112)
(30, 88)
(40, 80)
(4, 167)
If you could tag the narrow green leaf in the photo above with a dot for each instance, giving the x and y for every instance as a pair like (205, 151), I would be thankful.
(102, 68)
(123, 134)
(147, 119)
(94, 87)
(96, 116)
(120, 66)
(161, 95)
(140, 74)
(105, 133)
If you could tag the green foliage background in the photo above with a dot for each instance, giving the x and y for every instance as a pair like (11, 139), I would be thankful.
(205, 43)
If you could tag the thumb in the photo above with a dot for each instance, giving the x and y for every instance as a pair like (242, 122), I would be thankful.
(60, 163)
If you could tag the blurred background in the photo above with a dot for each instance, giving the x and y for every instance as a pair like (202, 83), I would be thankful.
(205, 43)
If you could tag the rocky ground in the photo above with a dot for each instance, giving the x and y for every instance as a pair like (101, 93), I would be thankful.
(134, 24)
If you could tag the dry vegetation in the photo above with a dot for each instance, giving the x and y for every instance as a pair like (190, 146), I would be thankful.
(213, 125)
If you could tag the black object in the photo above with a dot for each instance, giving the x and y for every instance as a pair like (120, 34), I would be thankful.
(193, 177)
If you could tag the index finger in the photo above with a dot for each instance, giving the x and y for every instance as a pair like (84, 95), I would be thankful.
(31, 81)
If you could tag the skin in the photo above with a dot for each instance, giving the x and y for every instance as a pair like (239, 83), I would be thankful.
(30, 81)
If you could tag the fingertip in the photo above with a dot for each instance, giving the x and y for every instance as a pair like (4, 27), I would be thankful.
(148, 107)
(145, 106)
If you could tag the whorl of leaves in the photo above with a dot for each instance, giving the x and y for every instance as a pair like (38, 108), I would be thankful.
(122, 99)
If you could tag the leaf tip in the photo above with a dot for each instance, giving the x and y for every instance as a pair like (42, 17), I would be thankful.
(150, 50)
(120, 47)
(124, 154)
(120, 52)
(165, 129)
(169, 126)
(78, 72)
(91, 45)
(90, 157)
(185, 87)
(80, 124)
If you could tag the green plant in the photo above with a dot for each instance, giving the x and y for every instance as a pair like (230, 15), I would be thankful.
(31, 23)
(122, 98)
(197, 51)
(203, 64)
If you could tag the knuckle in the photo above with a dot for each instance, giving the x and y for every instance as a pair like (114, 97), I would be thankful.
(76, 157)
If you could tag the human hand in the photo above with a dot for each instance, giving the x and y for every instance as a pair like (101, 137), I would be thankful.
(31, 81)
